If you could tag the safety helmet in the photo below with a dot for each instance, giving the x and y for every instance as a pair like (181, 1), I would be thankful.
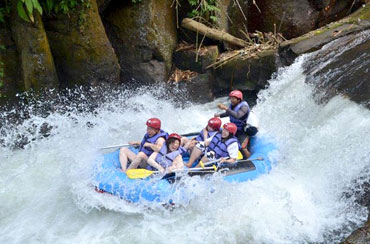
(154, 123)
(175, 135)
(230, 127)
(215, 123)
(236, 93)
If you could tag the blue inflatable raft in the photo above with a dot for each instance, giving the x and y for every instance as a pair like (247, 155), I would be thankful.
(110, 179)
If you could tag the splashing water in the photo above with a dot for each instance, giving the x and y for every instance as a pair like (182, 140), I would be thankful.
(46, 196)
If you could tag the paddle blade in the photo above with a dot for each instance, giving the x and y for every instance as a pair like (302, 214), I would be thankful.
(201, 164)
(138, 173)
(240, 155)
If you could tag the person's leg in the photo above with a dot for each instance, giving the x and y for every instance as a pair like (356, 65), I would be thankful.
(124, 155)
(139, 158)
(184, 141)
(243, 140)
(197, 152)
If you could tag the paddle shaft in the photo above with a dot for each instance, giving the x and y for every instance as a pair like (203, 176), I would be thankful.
(127, 145)
(247, 160)
(121, 145)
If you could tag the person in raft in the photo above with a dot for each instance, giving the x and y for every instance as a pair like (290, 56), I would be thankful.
(152, 142)
(238, 112)
(224, 145)
(206, 134)
(169, 158)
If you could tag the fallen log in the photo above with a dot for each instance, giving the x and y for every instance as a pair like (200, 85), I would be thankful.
(212, 33)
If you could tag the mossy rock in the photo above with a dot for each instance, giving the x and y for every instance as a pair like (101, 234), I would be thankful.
(144, 36)
(191, 59)
(314, 40)
(35, 58)
(10, 76)
(292, 18)
(81, 49)
(245, 73)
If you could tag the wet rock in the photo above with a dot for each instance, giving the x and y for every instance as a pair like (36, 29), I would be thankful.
(336, 10)
(45, 129)
(103, 5)
(144, 37)
(191, 59)
(358, 21)
(238, 18)
(81, 50)
(9, 66)
(292, 18)
(360, 236)
(199, 89)
(20, 142)
(35, 58)
(342, 67)
(242, 73)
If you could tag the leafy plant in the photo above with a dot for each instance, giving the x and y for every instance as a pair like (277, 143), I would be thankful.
(4, 10)
(204, 9)
(25, 9)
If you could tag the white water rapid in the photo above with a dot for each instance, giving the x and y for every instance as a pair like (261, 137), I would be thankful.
(45, 195)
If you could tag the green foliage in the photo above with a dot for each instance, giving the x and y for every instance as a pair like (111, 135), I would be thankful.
(136, 1)
(25, 9)
(204, 9)
(4, 10)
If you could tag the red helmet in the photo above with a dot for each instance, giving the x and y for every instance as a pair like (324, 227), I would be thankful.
(154, 123)
(236, 93)
(214, 123)
(230, 127)
(175, 135)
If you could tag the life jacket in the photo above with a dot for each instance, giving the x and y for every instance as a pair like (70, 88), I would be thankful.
(219, 147)
(240, 123)
(200, 137)
(165, 159)
(147, 150)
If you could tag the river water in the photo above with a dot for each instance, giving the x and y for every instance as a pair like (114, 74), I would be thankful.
(46, 196)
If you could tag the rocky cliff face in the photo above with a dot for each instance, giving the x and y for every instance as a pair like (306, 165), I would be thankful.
(11, 81)
(144, 37)
(81, 50)
(36, 62)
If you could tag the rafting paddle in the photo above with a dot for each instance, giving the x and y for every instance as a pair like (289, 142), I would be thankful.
(144, 173)
(217, 160)
(121, 145)
(127, 144)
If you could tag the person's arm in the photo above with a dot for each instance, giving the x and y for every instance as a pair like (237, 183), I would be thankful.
(222, 115)
(157, 146)
(205, 134)
(151, 161)
(134, 143)
(242, 111)
(232, 149)
(177, 164)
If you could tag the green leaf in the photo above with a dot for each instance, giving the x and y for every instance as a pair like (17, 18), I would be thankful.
(29, 6)
(22, 12)
(37, 5)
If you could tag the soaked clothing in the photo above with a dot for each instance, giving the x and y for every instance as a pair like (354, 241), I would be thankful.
(221, 148)
(147, 150)
(238, 114)
(200, 136)
(165, 158)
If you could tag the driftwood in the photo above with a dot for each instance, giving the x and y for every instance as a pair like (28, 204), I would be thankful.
(212, 33)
